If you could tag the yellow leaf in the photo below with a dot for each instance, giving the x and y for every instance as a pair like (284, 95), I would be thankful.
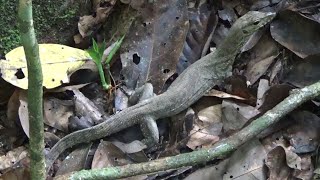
(57, 62)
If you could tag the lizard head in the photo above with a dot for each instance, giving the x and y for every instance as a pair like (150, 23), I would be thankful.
(242, 29)
(252, 21)
(240, 32)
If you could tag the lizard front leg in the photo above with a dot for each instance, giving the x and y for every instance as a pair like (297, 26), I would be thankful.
(148, 124)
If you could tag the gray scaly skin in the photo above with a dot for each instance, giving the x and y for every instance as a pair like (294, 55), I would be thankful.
(148, 125)
(184, 91)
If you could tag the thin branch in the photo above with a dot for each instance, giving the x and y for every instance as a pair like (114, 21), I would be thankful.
(218, 151)
(31, 49)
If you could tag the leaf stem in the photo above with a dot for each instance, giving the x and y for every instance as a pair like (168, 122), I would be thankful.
(105, 85)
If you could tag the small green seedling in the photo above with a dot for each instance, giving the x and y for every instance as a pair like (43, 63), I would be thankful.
(97, 53)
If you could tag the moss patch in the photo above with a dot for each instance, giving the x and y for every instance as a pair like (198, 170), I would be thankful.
(55, 21)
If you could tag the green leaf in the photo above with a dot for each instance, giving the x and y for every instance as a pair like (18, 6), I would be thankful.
(102, 48)
(95, 45)
(94, 55)
(114, 50)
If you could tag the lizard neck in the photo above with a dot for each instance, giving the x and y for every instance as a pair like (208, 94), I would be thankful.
(229, 48)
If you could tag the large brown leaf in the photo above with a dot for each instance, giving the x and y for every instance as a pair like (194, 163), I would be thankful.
(303, 72)
(261, 57)
(297, 33)
(154, 43)
(203, 22)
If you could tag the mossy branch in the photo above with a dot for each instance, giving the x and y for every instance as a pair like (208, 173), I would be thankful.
(31, 49)
(219, 150)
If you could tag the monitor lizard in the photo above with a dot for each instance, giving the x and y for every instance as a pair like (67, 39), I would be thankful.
(195, 81)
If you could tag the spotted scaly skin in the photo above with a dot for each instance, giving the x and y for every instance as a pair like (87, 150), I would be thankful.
(184, 91)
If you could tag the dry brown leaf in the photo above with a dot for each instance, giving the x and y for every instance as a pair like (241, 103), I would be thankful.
(199, 138)
(262, 55)
(274, 96)
(129, 148)
(307, 168)
(238, 85)
(12, 157)
(207, 128)
(304, 133)
(88, 24)
(235, 115)
(12, 110)
(247, 162)
(75, 161)
(154, 43)
(57, 113)
(296, 33)
(203, 21)
(304, 71)
(23, 112)
(85, 107)
(262, 89)
(16, 174)
(108, 155)
(210, 173)
(276, 162)
(223, 95)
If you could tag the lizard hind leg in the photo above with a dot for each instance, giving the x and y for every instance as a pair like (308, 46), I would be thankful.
(148, 124)
(142, 93)
(150, 131)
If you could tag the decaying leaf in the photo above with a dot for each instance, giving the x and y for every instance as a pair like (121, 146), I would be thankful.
(90, 23)
(57, 62)
(12, 110)
(108, 155)
(16, 173)
(238, 85)
(75, 161)
(283, 162)
(274, 95)
(133, 147)
(247, 162)
(154, 43)
(261, 57)
(12, 157)
(50, 139)
(276, 162)
(304, 134)
(57, 113)
(221, 94)
(6, 90)
(303, 72)
(207, 128)
(203, 22)
(23, 112)
(299, 34)
(211, 172)
(262, 89)
(85, 107)
(309, 9)
(235, 115)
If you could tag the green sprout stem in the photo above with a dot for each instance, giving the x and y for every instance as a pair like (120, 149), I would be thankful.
(96, 53)
(105, 84)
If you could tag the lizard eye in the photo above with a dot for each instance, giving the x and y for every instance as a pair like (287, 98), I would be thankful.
(256, 23)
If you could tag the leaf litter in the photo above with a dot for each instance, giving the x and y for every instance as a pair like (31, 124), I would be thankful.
(161, 40)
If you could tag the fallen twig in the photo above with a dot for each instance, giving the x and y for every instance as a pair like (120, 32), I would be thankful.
(219, 150)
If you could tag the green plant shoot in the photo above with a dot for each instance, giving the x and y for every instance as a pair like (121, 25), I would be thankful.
(97, 53)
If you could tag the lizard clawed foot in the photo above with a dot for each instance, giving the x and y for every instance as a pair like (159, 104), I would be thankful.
(148, 125)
